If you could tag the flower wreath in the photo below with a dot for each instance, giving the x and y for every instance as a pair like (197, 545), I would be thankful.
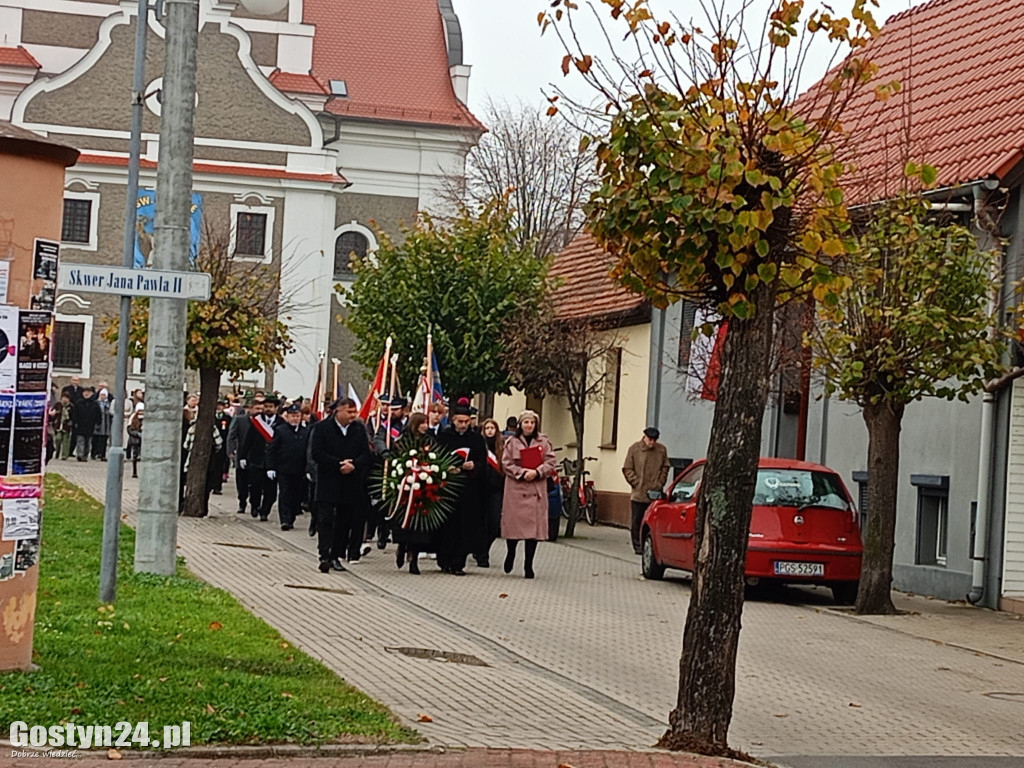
(418, 484)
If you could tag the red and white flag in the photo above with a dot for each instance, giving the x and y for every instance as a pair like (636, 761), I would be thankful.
(493, 461)
(705, 371)
(373, 400)
(463, 452)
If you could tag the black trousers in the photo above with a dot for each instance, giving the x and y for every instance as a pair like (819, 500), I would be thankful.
(637, 508)
(262, 491)
(99, 446)
(339, 529)
(242, 486)
(290, 489)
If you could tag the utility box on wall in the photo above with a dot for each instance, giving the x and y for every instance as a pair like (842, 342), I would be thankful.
(31, 211)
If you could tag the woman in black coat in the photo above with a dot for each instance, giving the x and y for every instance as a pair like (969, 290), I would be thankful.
(494, 479)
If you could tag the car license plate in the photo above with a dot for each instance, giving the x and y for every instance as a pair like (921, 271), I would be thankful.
(799, 569)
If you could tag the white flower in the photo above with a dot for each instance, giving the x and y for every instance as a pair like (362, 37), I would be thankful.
(412, 453)
(428, 481)
(415, 486)
(444, 475)
(408, 464)
(432, 455)
(424, 475)
(435, 468)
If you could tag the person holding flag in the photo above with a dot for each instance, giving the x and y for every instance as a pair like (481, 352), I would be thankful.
(464, 530)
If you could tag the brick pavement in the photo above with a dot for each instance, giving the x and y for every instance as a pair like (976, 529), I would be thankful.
(470, 758)
(585, 656)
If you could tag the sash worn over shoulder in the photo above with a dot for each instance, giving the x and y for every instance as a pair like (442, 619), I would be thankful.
(265, 432)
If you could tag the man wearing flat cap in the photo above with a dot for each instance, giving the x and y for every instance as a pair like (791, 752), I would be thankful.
(286, 464)
(646, 469)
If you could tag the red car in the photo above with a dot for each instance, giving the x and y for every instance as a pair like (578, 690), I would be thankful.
(803, 529)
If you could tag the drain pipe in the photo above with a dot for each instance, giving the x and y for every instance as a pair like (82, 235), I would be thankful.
(988, 417)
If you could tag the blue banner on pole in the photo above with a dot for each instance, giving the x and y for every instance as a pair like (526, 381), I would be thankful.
(145, 217)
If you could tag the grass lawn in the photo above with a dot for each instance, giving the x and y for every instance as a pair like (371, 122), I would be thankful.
(172, 649)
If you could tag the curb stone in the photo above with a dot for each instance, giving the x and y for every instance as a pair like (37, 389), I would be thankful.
(249, 752)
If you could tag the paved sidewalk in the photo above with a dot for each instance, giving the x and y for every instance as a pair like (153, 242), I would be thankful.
(471, 758)
(586, 655)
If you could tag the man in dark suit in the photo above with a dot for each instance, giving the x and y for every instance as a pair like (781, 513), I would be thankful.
(341, 450)
(237, 431)
(286, 463)
(262, 489)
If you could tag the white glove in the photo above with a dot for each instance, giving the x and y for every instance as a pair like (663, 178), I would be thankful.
(241, 463)
(271, 474)
(309, 477)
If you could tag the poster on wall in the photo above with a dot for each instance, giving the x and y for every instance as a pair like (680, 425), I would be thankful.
(145, 218)
(6, 427)
(21, 487)
(29, 420)
(33, 351)
(21, 520)
(8, 348)
(44, 274)
(26, 554)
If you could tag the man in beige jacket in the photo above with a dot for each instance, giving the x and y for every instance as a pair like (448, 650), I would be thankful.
(646, 469)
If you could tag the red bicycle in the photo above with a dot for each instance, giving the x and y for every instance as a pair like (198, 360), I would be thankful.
(586, 494)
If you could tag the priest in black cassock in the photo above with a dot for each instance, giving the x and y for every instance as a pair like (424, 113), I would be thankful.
(464, 529)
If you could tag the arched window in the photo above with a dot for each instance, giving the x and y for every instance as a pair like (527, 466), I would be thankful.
(349, 246)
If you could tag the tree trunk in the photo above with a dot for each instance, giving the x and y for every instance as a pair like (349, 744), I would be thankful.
(707, 668)
(573, 502)
(202, 445)
(875, 593)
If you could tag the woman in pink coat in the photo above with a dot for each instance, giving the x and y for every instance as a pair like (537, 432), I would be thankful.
(524, 511)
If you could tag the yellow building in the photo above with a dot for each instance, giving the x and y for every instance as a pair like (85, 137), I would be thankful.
(615, 420)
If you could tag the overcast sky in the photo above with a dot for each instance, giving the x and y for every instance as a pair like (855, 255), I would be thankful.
(512, 61)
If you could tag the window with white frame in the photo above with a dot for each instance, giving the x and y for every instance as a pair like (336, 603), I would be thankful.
(72, 344)
(79, 227)
(252, 232)
(351, 242)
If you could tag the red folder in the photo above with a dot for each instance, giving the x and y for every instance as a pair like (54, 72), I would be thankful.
(531, 457)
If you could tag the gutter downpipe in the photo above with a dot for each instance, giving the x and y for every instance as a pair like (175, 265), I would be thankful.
(988, 416)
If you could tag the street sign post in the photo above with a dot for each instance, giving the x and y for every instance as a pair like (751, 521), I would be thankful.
(123, 281)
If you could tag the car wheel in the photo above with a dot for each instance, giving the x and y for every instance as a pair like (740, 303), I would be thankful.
(652, 569)
(845, 593)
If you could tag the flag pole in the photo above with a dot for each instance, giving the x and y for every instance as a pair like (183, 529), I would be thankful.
(336, 362)
(391, 396)
(430, 369)
(387, 359)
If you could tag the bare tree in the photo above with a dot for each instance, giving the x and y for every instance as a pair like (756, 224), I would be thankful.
(537, 163)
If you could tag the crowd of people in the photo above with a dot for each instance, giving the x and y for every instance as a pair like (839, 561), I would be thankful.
(80, 420)
(280, 453)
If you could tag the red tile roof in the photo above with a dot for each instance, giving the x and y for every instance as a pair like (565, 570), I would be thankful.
(962, 75)
(588, 289)
(17, 57)
(393, 58)
(289, 82)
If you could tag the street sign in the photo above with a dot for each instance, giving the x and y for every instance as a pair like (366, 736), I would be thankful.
(123, 281)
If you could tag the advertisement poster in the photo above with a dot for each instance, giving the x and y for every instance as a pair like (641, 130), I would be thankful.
(33, 351)
(29, 419)
(26, 554)
(44, 274)
(21, 487)
(8, 348)
(145, 217)
(21, 521)
(6, 427)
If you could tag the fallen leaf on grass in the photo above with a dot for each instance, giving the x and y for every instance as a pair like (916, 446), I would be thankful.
(210, 709)
(76, 710)
(424, 719)
(163, 679)
(284, 645)
(113, 754)
(215, 625)
(287, 695)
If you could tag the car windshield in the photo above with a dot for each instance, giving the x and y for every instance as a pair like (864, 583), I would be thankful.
(799, 488)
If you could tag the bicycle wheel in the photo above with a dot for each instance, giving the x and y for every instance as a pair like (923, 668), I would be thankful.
(565, 496)
(590, 510)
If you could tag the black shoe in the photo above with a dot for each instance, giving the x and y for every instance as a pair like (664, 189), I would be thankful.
(400, 556)
(287, 527)
(510, 561)
(336, 565)
(255, 513)
(241, 510)
(457, 572)
(382, 543)
(325, 566)
(528, 573)
(414, 567)
(216, 492)
(483, 562)
(263, 519)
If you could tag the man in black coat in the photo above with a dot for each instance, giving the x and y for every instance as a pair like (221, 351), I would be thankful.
(237, 430)
(253, 458)
(341, 451)
(464, 530)
(286, 463)
(85, 415)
